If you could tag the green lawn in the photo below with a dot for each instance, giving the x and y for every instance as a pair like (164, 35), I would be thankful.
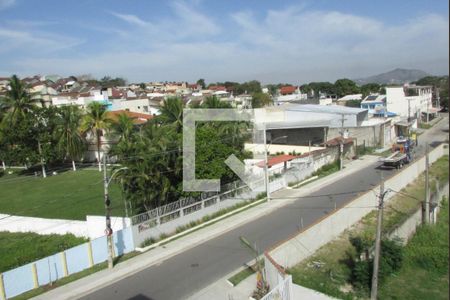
(68, 195)
(18, 249)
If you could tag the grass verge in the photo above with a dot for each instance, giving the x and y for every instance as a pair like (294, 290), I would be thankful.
(238, 277)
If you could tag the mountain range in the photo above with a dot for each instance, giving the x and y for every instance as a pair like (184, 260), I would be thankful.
(396, 76)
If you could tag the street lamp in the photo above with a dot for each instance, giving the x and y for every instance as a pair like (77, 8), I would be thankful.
(108, 230)
(266, 170)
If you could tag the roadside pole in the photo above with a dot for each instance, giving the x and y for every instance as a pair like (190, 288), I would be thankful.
(427, 186)
(376, 260)
(266, 170)
(341, 144)
(108, 230)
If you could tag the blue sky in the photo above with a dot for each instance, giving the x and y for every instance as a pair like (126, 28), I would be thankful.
(184, 40)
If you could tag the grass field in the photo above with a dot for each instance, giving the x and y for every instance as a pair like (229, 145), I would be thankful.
(18, 249)
(67, 195)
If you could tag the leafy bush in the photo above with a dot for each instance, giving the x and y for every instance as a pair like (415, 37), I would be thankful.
(429, 251)
(327, 169)
(148, 242)
(390, 262)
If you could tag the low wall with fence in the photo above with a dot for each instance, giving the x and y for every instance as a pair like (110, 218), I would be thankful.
(166, 219)
(49, 269)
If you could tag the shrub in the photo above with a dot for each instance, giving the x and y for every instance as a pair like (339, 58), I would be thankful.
(390, 262)
(148, 242)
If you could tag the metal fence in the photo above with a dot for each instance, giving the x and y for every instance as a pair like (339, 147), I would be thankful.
(168, 209)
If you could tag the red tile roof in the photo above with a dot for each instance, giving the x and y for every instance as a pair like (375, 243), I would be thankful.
(217, 88)
(277, 160)
(138, 118)
(285, 90)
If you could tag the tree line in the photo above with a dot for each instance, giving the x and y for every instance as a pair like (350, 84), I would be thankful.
(152, 152)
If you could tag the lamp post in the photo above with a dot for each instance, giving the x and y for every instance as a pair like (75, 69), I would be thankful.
(108, 230)
(266, 167)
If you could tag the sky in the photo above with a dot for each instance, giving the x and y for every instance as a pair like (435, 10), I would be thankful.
(231, 40)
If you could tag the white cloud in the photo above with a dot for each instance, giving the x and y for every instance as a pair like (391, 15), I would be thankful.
(34, 42)
(287, 45)
(132, 19)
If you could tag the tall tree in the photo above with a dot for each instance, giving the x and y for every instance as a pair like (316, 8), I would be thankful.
(202, 83)
(172, 113)
(96, 122)
(345, 87)
(68, 134)
(17, 101)
(261, 99)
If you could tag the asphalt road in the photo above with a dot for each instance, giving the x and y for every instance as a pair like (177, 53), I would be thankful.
(184, 274)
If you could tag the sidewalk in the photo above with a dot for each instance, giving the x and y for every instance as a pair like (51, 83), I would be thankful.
(157, 255)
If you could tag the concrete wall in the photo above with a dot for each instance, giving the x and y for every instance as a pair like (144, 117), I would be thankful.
(42, 226)
(407, 229)
(92, 228)
(372, 135)
(304, 244)
(96, 225)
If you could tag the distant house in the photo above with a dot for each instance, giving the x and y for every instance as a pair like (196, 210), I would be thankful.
(376, 105)
(289, 94)
(138, 118)
(411, 101)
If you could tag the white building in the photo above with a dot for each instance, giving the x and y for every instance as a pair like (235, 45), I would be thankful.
(139, 105)
(409, 101)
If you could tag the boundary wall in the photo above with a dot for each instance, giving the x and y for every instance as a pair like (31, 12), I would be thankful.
(300, 246)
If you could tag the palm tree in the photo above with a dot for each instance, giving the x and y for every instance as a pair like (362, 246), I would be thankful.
(123, 127)
(18, 102)
(68, 134)
(172, 113)
(96, 121)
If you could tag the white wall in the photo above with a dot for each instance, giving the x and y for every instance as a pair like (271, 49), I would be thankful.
(96, 225)
(397, 102)
(139, 105)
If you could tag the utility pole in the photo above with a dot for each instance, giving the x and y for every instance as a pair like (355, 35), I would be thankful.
(266, 170)
(108, 230)
(44, 174)
(427, 186)
(376, 260)
(341, 144)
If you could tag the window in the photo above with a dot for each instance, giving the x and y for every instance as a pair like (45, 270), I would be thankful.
(145, 108)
